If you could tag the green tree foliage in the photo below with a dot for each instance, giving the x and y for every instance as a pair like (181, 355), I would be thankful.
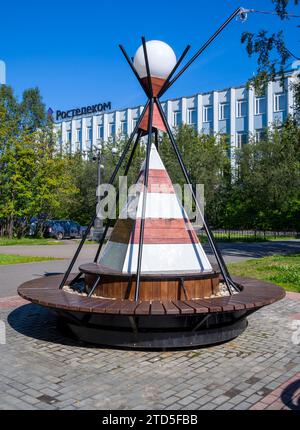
(207, 163)
(32, 173)
(266, 195)
(36, 179)
(81, 206)
(271, 52)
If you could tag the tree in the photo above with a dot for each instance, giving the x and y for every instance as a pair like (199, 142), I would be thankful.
(32, 110)
(267, 192)
(32, 173)
(272, 52)
(205, 157)
(81, 206)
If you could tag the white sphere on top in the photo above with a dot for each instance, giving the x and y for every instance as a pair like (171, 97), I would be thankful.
(161, 57)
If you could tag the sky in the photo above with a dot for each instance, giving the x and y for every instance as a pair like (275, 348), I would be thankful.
(69, 49)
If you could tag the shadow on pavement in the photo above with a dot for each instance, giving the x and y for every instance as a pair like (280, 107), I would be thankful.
(290, 396)
(39, 323)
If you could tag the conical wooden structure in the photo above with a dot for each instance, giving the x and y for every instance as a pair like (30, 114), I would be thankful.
(170, 242)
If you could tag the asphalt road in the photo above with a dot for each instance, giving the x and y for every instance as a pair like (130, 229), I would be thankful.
(13, 275)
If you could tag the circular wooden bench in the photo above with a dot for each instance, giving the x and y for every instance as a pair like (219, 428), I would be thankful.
(152, 324)
(254, 294)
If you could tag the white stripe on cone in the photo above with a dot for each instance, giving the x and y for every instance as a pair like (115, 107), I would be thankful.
(156, 258)
(163, 257)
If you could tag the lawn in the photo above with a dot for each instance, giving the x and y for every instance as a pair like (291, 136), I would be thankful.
(4, 241)
(235, 237)
(283, 270)
(16, 259)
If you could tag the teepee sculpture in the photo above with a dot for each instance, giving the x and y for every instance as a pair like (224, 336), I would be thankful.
(155, 77)
(172, 254)
(156, 242)
(152, 285)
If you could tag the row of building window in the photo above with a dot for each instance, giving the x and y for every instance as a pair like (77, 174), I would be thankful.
(224, 110)
(241, 137)
(224, 114)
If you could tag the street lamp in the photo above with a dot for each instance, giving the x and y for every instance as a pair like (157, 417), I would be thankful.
(98, 157)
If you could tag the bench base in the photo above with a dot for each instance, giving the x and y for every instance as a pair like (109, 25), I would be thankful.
(169, 324)
(153, 332)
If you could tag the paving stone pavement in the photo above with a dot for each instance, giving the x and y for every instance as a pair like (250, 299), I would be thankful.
(41, 369)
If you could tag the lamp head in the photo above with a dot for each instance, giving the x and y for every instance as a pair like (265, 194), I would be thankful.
(161, 59)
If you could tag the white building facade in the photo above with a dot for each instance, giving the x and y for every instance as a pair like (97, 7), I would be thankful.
(2, 73)
(235, 112)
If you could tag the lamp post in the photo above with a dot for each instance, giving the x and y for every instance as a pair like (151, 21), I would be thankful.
(98, 157)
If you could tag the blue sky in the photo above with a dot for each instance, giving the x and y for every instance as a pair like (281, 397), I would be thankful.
(69, 49)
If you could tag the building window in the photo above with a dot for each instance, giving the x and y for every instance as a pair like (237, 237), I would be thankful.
(260, 105)
(123, 127)
(241, 108)
(176, 118)
(223, 111)
(241, 139)
(78, 135)
(89, 135)
(279, 102)
(259, 134)
(111, 129)
(100, 131)
(69, 136)
(207, 113)
(134, 123)
(192, 116)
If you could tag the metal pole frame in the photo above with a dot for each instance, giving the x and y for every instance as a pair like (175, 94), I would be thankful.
(147, 67)
(99, 159)
(156, 138)
(111, 180)
(145, 189)
(221, 263)
(146, 177)
(131, 65)
(163, 88)
(206, 44)
(150, 104)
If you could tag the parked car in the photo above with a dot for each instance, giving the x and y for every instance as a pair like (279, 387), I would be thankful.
(62, 229)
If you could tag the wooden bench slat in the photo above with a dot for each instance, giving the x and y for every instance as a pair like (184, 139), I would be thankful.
(157, 308)
(143, 308)
(210, 306)
(100, 307)
(115, 307)
(170, 308)
(87, 304)
(198, 308)
(183, 307)
(129, 307)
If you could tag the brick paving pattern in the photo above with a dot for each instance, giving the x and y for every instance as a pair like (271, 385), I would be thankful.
(41, 369)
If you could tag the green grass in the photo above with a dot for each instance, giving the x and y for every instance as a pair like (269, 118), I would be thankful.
(283, 270)
(16, 259)
(238, 238)
(5, 241)
(88, 242)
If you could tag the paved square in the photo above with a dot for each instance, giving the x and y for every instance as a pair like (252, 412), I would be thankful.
(41, 369)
